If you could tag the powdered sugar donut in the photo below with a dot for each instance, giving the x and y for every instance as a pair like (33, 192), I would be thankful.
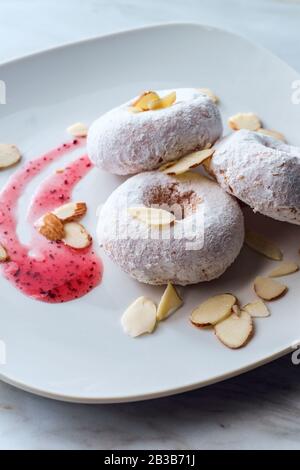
(261, 171)
(196, 248)
(123, 142)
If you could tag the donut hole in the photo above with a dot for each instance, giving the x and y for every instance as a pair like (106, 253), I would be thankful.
(168, 197)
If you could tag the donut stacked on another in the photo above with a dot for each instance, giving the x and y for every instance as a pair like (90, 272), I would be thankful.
(261, 171)
(124, 142)
(199, 246)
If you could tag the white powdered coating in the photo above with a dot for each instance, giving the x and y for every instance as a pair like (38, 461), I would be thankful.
(152, 257)
(123, 142)
(262, 172)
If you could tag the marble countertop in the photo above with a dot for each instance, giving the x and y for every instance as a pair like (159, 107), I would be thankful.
(260, 409)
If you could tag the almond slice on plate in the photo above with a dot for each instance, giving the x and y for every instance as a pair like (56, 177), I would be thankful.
(164, 102)
(262, 245)
(70, 211)
(257, 309)
(3, 254)
(268, 289)
(143, 101)
(139, 317)
(284, 268)
(78, 130)
(76, 236)
(9, 155)
(213, 310)
(274, 134)
(244, 121)
(236, 330)
(51, 227)
(169, 303)
(191, 160)
(152, 216)
(210, 94)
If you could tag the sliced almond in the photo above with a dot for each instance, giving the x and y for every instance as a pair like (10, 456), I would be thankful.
(268, 289)
(210, 94)
(9, 155)
(236, 309)
(191, 160)
(164, 102)
(76, 236)
(78, 130)
(274, 134)
(263, 245)
(139, 317)
(143, 101)
(51, 227)
(244, 121)
(257, 309)
(152, 216)
(284, 268)
(236, 330)
(169, 303)
(70, 211)
(3, 254)
(134, 110)
(166, 165)
(213, 310)
(207, 165)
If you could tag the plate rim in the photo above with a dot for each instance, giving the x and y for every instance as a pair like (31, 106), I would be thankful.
(67, 398)
(153, 26)
(193, 385)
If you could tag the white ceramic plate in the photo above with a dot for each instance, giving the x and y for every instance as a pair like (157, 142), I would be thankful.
(77, 351)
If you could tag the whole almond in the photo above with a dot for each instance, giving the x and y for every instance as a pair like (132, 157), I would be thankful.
(70, 211)
(51, 227)
(3, 254)
(76, 236)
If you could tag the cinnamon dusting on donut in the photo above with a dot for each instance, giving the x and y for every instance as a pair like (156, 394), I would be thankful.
(169, 195)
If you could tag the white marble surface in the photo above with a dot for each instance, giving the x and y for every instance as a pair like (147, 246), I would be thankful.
(260, 409)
